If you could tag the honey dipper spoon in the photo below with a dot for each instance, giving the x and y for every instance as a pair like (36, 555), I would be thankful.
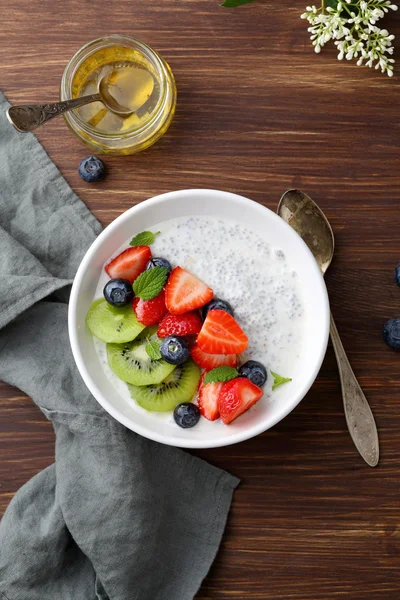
(308, 220)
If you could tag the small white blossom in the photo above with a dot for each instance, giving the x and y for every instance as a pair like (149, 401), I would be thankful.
(354, 31)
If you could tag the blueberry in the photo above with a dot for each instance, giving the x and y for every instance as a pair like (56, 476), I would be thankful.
(254, 371)
(186, 415)
(91, 169)
(118, 292)
(158, 262)
(397, 275)
(391, 333)
(216, 304)
(174, 350)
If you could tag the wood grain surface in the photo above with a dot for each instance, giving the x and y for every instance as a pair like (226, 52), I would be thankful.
(258, 112)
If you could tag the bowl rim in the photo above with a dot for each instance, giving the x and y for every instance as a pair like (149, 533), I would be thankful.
(240, 436)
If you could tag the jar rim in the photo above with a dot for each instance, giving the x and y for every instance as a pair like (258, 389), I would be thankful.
(103, 42)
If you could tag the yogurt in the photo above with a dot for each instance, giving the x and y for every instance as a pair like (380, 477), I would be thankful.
(244, 269)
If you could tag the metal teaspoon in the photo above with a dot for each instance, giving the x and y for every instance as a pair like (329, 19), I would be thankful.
(308, 220)
(30, 116)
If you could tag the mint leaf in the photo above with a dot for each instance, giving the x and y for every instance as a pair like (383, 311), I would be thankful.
(144, 239)
(279, 380)
(153, 350)
(221, 374)
(150, 283)
(233, 3)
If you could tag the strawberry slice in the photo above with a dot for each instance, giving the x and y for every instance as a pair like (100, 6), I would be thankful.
(185, 292)
(221, 334)
(208, 399)
(237, 396)
(212, 361)
(129, 264)
(187, 324)
(150, 312)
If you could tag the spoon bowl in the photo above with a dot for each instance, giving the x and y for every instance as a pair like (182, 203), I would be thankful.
(308, 220)
(118, 94)
(109, 90)
(109, 100)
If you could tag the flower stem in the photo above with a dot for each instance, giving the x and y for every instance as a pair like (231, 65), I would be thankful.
(347, 8)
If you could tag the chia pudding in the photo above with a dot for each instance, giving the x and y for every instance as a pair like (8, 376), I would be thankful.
(244, 269)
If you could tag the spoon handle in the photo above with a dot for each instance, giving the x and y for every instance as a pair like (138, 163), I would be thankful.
(359, 417)
(29, 116)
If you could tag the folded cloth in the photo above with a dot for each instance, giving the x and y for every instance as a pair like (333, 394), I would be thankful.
(116, 516)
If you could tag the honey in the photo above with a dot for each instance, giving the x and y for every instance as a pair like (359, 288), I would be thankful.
(138, 79)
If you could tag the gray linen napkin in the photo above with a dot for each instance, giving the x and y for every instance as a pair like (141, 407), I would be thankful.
(116, 517)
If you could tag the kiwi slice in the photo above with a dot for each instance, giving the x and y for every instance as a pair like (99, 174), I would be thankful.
(111, 324)
(132, 364)
(180, 386)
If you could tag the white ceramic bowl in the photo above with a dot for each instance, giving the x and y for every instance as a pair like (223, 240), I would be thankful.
(255, 217)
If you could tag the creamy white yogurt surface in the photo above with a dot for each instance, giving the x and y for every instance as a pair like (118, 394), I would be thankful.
(244, 269)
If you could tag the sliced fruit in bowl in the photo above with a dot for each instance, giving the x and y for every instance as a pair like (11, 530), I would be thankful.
(186, 324)
(236, 397)
(150, 312)
(130, 263)
(221, 334)
(179, 386)
(212, 361)
(185, 292)
(131, 361)
(112, 325)
(208, 399)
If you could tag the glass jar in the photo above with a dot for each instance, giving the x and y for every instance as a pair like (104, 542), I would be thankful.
(132, 134)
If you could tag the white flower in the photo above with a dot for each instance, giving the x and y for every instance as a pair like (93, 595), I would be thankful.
(354, 31)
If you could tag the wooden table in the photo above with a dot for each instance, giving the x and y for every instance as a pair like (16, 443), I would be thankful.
(258, 113)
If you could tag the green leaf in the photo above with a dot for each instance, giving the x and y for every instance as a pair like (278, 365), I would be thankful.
(150, 283)
(144, 239)
(153, 350)
(233, 3)
(220, 374)
(351, 7)
(279, 380)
